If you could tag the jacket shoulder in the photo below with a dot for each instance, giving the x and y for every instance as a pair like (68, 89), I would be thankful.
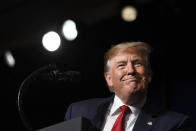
(88, 102)
(86, 108)
(174, 120)
(166, 119)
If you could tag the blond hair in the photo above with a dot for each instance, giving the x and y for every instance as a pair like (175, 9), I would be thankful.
(141, 46)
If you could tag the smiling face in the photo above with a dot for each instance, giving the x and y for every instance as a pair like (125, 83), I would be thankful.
(128, 73)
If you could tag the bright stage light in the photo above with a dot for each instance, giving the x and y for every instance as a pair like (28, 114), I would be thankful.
(69, 30)
(51, 41)
(129, 13)
(9, 59)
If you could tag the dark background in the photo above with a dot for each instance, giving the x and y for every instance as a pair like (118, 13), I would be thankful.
(167, 25)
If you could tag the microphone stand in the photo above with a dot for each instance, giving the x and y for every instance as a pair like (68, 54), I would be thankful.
(22, 90)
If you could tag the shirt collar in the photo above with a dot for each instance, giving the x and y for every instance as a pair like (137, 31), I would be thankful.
(117, 103)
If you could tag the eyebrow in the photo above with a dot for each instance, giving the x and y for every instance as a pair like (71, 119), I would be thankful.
(137, 60)
(133, 61)
(121, 61)
(124, 61)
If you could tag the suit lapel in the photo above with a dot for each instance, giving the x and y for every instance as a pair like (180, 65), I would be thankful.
(145, 122)
(147, 117)
(101, 111)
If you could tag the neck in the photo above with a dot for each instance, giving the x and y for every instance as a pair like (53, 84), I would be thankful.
(133, 99)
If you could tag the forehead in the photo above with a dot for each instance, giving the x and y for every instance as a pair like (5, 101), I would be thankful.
(129, 53)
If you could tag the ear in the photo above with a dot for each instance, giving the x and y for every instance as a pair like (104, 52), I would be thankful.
(108, 79)
(149, 77)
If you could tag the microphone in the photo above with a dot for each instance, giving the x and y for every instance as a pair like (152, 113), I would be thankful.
(55, 75)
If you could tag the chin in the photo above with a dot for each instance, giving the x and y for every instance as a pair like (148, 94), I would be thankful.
(131, 88)
(135, 90)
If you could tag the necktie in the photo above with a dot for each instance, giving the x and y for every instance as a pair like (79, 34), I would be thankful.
(119, 123)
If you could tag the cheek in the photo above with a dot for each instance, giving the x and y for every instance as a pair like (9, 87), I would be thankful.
(118, 75)
(145, 80)
(142, 72)
(144, 75)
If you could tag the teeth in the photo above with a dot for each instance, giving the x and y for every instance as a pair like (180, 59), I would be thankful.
(130, 80)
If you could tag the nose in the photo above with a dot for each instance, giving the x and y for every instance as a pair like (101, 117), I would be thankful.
(130, 69)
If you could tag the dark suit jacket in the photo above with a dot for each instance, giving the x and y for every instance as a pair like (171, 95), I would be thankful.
(150, 118)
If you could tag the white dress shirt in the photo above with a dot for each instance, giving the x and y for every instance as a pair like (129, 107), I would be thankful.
(114, 111)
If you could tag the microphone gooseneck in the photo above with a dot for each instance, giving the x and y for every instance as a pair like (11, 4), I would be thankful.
(49, 73)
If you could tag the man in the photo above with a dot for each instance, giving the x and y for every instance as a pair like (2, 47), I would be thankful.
(127, 73)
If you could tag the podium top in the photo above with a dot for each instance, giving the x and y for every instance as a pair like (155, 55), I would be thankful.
(76, 124)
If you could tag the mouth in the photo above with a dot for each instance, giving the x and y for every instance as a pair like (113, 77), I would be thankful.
(130, 83)
(130, 79)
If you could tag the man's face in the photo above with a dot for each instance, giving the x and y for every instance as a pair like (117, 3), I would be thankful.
(128, 73)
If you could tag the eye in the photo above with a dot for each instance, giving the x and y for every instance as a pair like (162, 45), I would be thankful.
(138, 63)
(121, 65)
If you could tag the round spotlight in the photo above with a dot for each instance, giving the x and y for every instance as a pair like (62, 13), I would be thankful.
(9, 59)
(129, 13)
(69, 30)
(51, 41)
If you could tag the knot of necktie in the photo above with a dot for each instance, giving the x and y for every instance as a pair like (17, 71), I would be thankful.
(125, 109)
